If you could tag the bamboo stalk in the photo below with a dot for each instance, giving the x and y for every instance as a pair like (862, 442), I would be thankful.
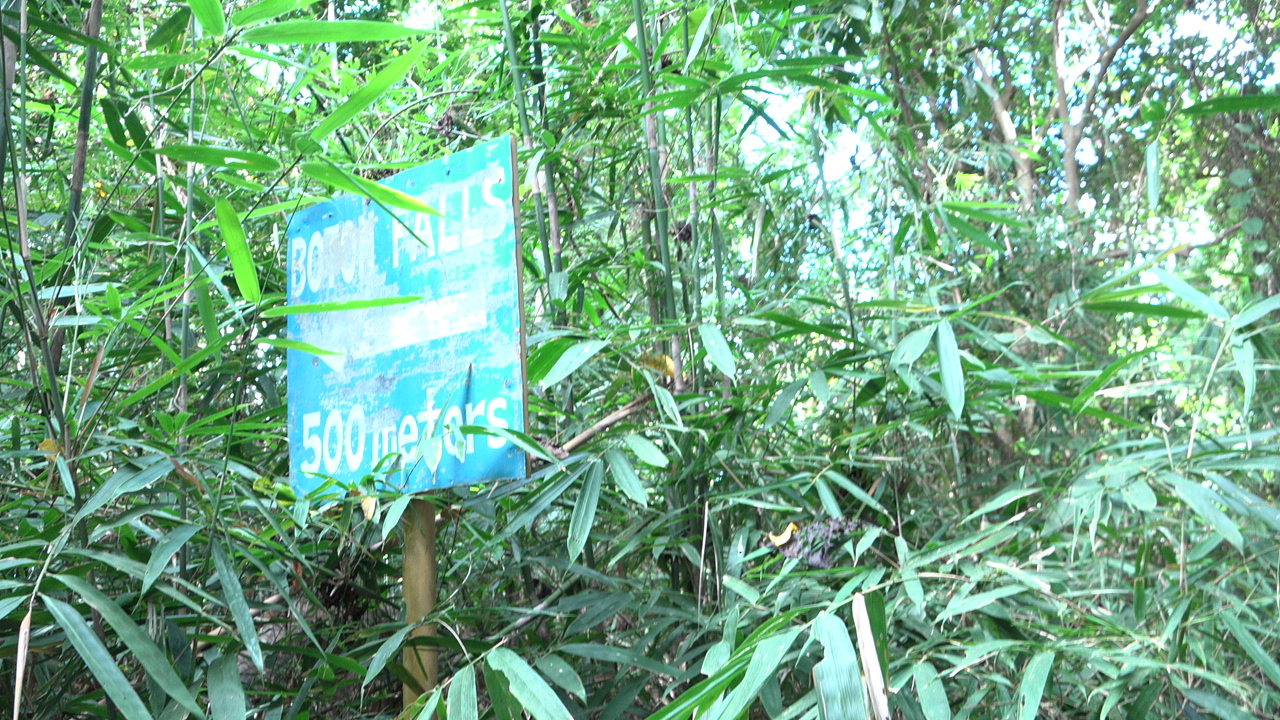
(828, 209)
(517, 81)
(87, 87)
(717, 237)
(655, 136)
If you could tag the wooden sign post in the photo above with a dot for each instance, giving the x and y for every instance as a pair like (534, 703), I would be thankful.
(419, 527)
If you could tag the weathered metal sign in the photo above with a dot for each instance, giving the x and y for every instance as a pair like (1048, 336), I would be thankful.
(407, 377)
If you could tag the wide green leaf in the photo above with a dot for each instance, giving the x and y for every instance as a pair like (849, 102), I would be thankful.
(226, 694)
(625, 476)
(462, 703)
(717, 349)
(1031, 689)
(584, 511)
(233, 595)
(218, 156)
(369, 92)
(1233, 104)
(571, 360)
(343, 180)
(209, 14)
(951, 370)
(560, 672)
(242, 264)
(99, 660)
(646, 450)
(527, 686)
(1192, 296)
(932, 694)
(315, 32)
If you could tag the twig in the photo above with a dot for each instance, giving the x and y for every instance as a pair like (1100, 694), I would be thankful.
(609, 420)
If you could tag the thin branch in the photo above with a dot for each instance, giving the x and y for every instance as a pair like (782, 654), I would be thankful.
(1140, 15)
(609, 420)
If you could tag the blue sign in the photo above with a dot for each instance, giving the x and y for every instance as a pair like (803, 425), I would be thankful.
(407, 377)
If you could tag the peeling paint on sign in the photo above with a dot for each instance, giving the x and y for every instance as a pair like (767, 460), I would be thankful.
(408, 376)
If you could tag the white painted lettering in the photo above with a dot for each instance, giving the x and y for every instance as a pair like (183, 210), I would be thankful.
(332, 442)
(496, 420)
(408, 433)
(353, 442)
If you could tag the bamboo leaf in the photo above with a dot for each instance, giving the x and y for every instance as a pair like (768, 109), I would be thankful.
(951, 369)
(316, 32)
(343, 180)
(220, 157)
(781, 406)
(1217, 705)
(242, 265)
(209, 14)
(717, 349)
(226, 694)
(1153, 175)
(1238, 103)
(932, 694)
(838, 677)
(298, 345)
(389, 647)
(571, 360)
(976, 602)
(234, 596)
(99, 660)
(620, 656)
(529, 689)
(584, 511)
(498, 689)
(22, 657)
(144, 649)
(1192, 296)
(561, 673)
(462, 695)
(337, 306)
(1204, 502)
(1256, 312)
(912, 346)
(869, 627)
(1266, 663)
(369, 92)
(625, 476)
(265, 10)
(1031, 689)
(1120, 307)
(646, 450)
(1244, 355)
(765, 659)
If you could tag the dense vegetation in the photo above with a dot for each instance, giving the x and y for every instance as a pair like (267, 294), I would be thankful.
(920, 344)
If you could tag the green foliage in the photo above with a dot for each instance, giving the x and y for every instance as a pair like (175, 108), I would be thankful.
(984, 413)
